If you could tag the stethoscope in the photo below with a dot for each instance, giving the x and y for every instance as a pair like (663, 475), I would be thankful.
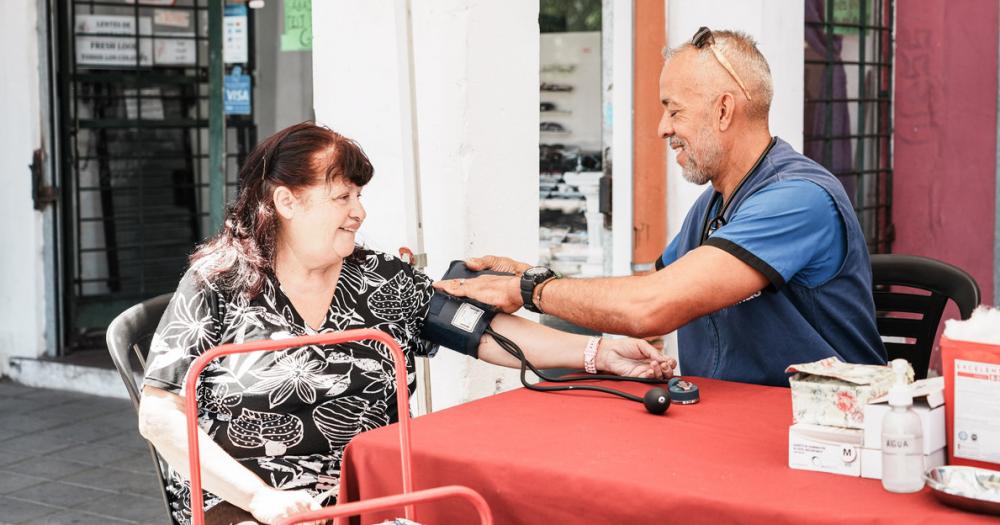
(720, 218)
(656, 400)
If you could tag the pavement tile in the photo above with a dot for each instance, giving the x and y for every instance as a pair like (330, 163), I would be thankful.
(17, 511)
(11, 389)
(53, 397)
(92, 454)
(39, 443)
(20, 405)
(116, 481)
(78, 410)
(140, 463)
(127, 507)
(30, 422)
(58, 494)
(8, 457)
(48, 468)
(119, 420)
(124, 439)
(84, 432)
(74, 517)
(11, 482)
(7, 433)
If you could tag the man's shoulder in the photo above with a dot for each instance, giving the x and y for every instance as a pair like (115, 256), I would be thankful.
(787, 163)
(790, 196)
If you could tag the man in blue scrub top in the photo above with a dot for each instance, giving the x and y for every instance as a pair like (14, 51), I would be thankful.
(770, 267)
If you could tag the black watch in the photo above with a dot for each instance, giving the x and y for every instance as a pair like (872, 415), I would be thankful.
(531, 278)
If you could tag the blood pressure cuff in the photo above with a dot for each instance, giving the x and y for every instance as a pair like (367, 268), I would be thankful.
(458, 322)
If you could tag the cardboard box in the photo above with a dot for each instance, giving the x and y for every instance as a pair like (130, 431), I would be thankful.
(833, 393)
(825, 449)
(871, 462)
(928, 403)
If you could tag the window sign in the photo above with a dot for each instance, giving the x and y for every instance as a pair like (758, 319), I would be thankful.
(847, 12)
(172, 18)
(234, 35)
(298, 26)
(236, 93)
(96, 46)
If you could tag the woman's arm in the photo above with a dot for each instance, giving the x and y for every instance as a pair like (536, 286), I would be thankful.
(162, 422)
(547, 347)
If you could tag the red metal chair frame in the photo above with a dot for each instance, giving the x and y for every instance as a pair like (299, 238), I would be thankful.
(388, 502)
(407, 498)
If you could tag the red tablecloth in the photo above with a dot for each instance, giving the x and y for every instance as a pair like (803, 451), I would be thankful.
(577, 457)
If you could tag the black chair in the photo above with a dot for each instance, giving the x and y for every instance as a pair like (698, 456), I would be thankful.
(130, 333)
(915, 316)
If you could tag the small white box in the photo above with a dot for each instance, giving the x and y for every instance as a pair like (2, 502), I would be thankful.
(871, 462)
(825, 449)
(928, 403)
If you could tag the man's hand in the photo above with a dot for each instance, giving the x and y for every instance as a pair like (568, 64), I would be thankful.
(496, 264)
(498, 290)
(633, 357)
(269, 505)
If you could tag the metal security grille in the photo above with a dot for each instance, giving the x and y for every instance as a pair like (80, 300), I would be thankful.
(848, 104)
(134, 150)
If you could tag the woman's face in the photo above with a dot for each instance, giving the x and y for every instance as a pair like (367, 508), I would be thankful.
(324, 221)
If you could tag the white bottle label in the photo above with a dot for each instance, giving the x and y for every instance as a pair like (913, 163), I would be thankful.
(902, 444)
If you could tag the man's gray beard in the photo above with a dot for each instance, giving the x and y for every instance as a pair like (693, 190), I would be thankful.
(695, 175)
(698, 172)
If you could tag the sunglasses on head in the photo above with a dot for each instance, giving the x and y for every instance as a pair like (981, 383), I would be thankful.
(704, 37)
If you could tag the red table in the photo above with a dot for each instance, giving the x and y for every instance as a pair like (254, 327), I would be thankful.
(577, 457)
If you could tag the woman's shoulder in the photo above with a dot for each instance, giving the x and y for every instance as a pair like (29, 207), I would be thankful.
(384, 264)
(369, 258)
(199, 280)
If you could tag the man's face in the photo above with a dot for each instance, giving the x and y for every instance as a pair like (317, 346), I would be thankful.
(687, 122)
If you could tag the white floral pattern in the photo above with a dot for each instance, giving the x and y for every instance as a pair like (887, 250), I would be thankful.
(291, 373)
(287, 415)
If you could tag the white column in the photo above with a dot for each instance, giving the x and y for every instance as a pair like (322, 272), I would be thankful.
(476, 64)
(22, 299)
(622, 27)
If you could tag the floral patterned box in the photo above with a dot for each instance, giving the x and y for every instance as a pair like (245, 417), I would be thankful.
(833, 393)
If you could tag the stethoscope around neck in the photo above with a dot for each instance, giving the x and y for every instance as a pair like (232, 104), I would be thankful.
(711, 225)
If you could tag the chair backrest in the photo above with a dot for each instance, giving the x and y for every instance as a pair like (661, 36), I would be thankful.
(131, 332)
(913, 316)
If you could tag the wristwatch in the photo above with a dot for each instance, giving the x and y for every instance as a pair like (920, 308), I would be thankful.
(530, 279)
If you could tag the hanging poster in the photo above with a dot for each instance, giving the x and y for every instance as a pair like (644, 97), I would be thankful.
(298, 26)
(234, 35)
(236, 93)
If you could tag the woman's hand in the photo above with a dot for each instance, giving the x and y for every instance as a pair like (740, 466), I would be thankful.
(633, 357)
(268, 504)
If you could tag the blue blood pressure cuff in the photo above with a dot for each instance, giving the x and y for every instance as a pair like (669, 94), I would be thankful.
(458, 322)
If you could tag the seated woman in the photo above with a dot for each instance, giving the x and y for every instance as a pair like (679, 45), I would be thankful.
(275, 424)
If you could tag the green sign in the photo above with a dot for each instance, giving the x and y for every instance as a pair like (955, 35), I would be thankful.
(298, 35)
(849, 12)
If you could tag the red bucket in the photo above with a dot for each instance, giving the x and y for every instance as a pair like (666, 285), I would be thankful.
(972, 394)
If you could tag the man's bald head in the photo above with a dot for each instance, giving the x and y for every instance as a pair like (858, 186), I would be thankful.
(748, 62)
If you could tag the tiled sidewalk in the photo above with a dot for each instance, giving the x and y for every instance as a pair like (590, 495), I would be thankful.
(69, 458)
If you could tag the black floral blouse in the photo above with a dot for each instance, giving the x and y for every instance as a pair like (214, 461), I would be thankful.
(288, 415)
